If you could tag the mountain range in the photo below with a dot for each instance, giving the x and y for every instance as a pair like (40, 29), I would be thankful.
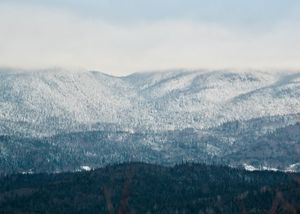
(71, 119)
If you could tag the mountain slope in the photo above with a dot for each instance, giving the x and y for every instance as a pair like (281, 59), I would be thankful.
(237, 144)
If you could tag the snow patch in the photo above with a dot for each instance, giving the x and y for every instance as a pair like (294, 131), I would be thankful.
(86, 168)
(249, 167)
(293, 167)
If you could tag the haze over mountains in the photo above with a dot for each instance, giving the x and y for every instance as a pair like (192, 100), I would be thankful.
(63, 120)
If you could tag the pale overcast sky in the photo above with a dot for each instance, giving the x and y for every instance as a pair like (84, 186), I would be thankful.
(124, 36)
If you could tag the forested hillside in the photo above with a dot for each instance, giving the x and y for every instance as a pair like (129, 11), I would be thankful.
(143, 188)
(235, 144)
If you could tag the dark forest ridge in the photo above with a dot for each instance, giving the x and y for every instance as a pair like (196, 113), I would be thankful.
(145, 188)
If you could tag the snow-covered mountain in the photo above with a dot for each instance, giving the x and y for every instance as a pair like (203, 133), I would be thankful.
(52, 121)
(50, 102)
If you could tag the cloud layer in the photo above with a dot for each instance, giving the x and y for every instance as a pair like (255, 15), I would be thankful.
(39, 37)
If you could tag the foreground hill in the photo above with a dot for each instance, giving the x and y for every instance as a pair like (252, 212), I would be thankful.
(143, 188)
